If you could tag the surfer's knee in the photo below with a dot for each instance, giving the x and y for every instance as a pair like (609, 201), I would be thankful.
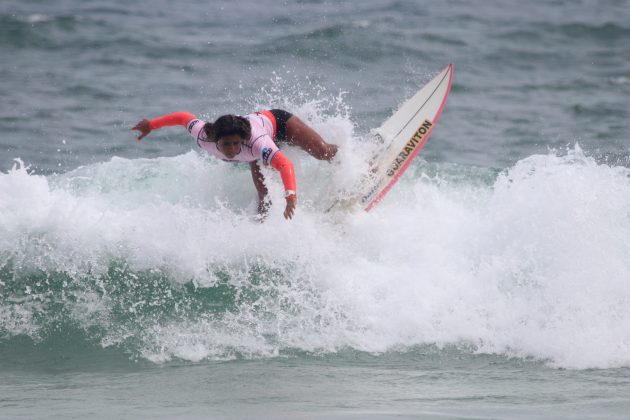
(300, 134)
(328, 151)
(322, 151)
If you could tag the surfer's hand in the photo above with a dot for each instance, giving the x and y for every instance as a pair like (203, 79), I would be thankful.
(291, 204)
(144, 127)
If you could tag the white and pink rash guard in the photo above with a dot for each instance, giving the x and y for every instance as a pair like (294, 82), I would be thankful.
(260, 145)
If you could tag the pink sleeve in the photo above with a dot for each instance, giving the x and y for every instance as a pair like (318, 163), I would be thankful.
(281, 163)
(176, 118)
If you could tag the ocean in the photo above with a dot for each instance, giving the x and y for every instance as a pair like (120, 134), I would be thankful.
(492, 282)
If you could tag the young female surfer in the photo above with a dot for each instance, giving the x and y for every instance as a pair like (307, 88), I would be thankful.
(250, 139)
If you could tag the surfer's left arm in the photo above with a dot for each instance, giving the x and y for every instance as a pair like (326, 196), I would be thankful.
(283, 165)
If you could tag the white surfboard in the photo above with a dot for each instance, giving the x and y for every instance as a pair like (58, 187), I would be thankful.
(405, 133)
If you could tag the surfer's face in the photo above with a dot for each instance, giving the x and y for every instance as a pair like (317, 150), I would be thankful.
(230, 145)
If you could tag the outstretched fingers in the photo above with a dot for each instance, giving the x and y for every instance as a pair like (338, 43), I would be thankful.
(289, 211)
(144, 127)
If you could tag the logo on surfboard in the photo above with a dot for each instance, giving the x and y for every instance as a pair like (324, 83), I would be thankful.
(411, 145)
(407, 151)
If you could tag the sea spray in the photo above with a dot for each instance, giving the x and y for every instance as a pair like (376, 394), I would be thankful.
(163, 259)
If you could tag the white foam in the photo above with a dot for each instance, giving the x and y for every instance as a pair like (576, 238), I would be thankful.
(534, 265)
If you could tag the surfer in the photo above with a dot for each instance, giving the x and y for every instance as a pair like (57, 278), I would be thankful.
(251, 139)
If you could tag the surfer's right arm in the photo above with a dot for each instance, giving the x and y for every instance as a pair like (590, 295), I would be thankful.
(261, 189)
(145, 126)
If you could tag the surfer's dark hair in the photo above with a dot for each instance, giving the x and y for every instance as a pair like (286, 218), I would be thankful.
(227, 125)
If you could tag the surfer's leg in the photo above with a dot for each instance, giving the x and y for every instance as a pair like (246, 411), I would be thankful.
(300, 134)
